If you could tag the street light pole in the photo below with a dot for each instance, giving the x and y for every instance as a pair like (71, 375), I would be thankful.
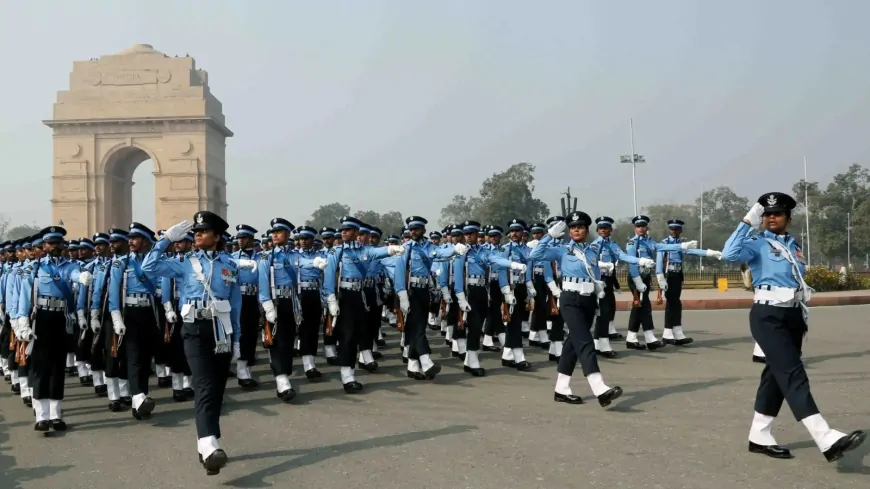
(701, 245)
(849, 241)
(807, 206)
(634, 159)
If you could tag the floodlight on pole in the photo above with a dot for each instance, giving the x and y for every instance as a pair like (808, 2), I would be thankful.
(632, 158)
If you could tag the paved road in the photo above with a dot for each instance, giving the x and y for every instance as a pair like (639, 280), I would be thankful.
(681, 424)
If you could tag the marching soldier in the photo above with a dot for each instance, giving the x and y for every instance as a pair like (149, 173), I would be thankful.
(610, 254)
(48, 294)
(778, 321)
(132, 305)
(517, 289)
(99, 270)
(555, 323)
(13, 294)
(367, 332)
(494, 327)
(6, 261)
(84, 336)
(669, 273)
(642, 246)
(542, 274)
(172, 294)
(376, 276)
(329, 351)
(310, 279)
(249, 281)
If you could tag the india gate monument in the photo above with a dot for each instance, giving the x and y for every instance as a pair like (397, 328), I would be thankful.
(122, 110)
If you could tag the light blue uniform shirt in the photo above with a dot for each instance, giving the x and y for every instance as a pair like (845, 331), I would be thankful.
(355, 260)
(767, 265)
(515, 252)
(674, 256)
(13, 288)
(419, 258)
(99, 287)
(246, 275)
(138, 280)
(570, 265)
(479, 259)
(282, 259)
(52, 277)
(645, 247)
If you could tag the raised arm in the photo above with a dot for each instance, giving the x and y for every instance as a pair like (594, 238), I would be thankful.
(740, 247)
(155, 263)
(544, 251)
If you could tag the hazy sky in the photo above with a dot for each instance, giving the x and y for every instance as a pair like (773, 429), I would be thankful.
(402, 104)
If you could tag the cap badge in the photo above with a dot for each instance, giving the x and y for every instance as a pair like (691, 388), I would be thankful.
(199, 219)
(771, 200)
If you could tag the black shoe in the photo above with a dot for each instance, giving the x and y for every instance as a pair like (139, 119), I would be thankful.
(758, 359)
(553, 358)
(567, 398)
(634, 345)
(164, 382)
(101, 390)
(684, 341)
(462, 356)
(435, 327)
(16, 388)
(655, 345)
(607, 354)
(115, 406)
(381, 343)
(545, 346)
(416, 375)
(849, 442)
(248, 384)
(491, 348)
(58, 424)
(333, 361)
(454, 354)
(127, 400)
(85, 381)
(508, 363)
(615, 336)
(215, 462)
(377, 355)
(287, 395)
(611, 395)
(523, 366)
(534, 343)
(370, 367)
(525, 334)
(353, 387)
(432, 372)
(189, 392)
(313, 374)
(448, 343)
(475, 372)
(179, 396)
(72, 371)
(28, 401)
(42, 426)
(7, 378)
(772, 451)
(444, 333)
(669, 341)
(144, 410)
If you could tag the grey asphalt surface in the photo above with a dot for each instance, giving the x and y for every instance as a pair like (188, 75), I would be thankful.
(682, 423)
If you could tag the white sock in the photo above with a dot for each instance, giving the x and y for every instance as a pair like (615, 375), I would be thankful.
(347, 375)
(24, 383)
(526, 327)
(756, 352)
(81, 369)
(471, 359)
(177, 382)
(649, 336)
(668, 334)
(282, 383)
(507, 354)
(595, 343)
(14, 376)
(519, 356)
(307, 362)
(454, 346)
(414, 366)
(329, 350)
(543, 337)
(99, 377)
(54, 411)
(405, 351)
(631, 337)
(556, 348)
(463, 345)
(604, 344)
(367, 357)
(563, 384)
(596, 382)
(759, 431)
(402, 341)
(444, 325)
(160, 370)
(70, 360)
(487, 340)
(124, 387)
(426, 363)
(611, 329)
(533, 336)
(206, 446)
(242, 371)
(449, 330)
(431, 318)
(138, 399)
(112, 389)
(501, 338)
(186, 382)
(549, 325)
(822, 434)
(678, 333)
(42, 409)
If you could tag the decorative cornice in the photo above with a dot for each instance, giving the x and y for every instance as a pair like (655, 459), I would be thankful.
(153, 124)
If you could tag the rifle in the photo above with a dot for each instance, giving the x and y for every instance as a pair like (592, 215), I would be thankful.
(554, 306)
(268, 327)
(21, 353)
(659, 299)
(329, 325)
(635, 298)
(116, 342)
(397, 304)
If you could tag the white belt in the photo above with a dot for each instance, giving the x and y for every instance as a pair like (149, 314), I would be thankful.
(419, 282)
(369, 282)
(493, 276)
(50, 303)
(309, 285)
(350, 284)
(248, 289)
(581, 286)
(538, 270)
(201, 309)
(771, 295)
(283, 292)
(675, 267)
(138, 300)
(480, 281)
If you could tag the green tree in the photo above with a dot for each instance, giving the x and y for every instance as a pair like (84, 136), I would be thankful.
(721, 209)
(390, 222)
(22, 231)
(328, 215)
(502, 197)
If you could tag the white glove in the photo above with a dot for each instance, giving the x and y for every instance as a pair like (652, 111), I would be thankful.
(395, 250)
(83, 323)
(438, 272)
(521, 267)
(332, 304)
(557, 230)
(445, 294)
(245, 263)
(320, 262)
(464, 306)
(646, 262)
(641, 287)
(169, 312)
(178, 231)
(508, 295)
(753, 217)
(663, 284)
(714, 254)
(460, 248)
(23, 323)
(605, 266)
(689, 245)
(271, 313)
(554, 289)
(2, 316)
(532, 243)
(404, 303)
(237, 351)
(95, 325)
(85, 278)
(25, 334)
(118, 323)
(530, 288)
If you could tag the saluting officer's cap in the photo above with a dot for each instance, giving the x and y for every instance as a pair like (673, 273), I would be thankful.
(554, 219)
(209, 221)
(538, 227)
(305, 232)
(118, 234)
(456, 230)
(435, 235)
(517, 225)
(86, 243)
(415, 222)
(640, 220)
(139, 229)
(777, 202)
(469, 227)
(495, 230)
(676, 223)
(50, 234)
(280, 224)
(604, 221)
(73, 245)
(327, 232)
(349, 222)
(100, 238)
(376, 231)
(579, 218)
(245, 230)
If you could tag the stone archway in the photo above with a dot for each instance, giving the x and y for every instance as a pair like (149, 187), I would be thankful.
(121, 110)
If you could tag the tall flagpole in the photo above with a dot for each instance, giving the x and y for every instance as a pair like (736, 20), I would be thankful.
(807, 211)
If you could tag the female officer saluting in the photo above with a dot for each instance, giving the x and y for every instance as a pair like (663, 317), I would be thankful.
(778, 321)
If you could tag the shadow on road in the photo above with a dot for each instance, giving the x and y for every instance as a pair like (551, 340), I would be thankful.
(852, 463)
(11, 476)
(632, 399)
(310, 456)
